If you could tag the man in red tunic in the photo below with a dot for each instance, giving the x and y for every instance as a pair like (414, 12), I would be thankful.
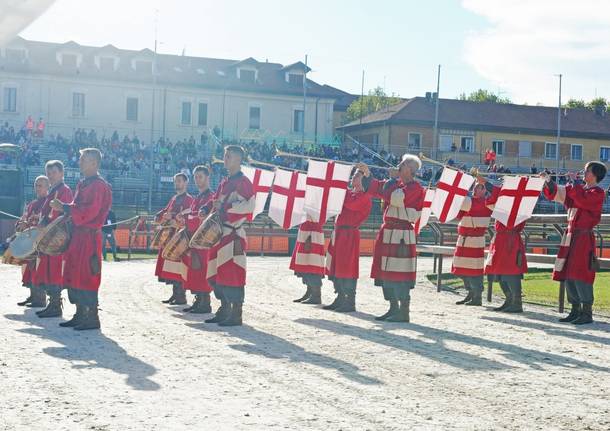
(307, 260)
(469, 255)
(30, 218)
(196, 261)
(49, 269)
(234, 201)
(343, 256)
(88, 212)
(576, 262)
(395, 254)
(167, 271)
(506, 261)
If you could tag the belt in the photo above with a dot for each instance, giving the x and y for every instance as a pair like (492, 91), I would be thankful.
(346, 227)
(398, 225)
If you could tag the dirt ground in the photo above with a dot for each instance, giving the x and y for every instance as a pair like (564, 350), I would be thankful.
(297, 367)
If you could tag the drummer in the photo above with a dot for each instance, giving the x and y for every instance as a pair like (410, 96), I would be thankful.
(49, 269)
(31, 218)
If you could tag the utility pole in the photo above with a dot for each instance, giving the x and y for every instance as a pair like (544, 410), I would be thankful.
(152, 146)
(558, 134)
(304, 102)
(435, 132)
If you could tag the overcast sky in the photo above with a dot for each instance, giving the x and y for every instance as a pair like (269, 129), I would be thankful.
(514, 48)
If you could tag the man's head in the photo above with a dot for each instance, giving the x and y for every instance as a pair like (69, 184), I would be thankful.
(181, 182)
(233, 158)
(202, 177)
(55, 171)
(408, 167)
(357, 181)
(595, 172)
(41, 186)
(479, 191)
(89, 161)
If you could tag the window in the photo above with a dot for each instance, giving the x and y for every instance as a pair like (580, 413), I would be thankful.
(10, 99)
(143, 66)
(550, 150)
(414, 141)
(247, 75)
(202, 114)
(78, 104)
(255, 117)
(68, 60)
(604, 154)
(576, 151)
(132, 109)
(185, 116)
(16, 55)
(467, 144)
(445, 142)
(297, 121)
(107, 63)
(525, 149)
(295, 79)
(498, 147)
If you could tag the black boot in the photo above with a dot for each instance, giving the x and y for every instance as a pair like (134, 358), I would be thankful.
(336, 303)
(516, 305)
(234, 318)
(221, 314)
(27, 301)
(304, 297)
(180, 298)
(586, 315)
(90, 320)
(316, 296)
(393, 309)
(39, 298)
(201, 304)
(76, 319)
(172, 298)
(574, 314)
(402, 315)
(54, 309)
(507, 299)
(466, 299)
(348, 304)
(476, 298)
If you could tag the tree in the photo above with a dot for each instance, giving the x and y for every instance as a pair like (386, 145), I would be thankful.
(575, 104)
(376, 100)
(599, 103)
(482, 95)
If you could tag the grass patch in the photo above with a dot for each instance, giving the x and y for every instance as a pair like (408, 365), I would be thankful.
(539, 288)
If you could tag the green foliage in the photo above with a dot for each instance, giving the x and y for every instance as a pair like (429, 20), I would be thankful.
(598, 102)
(482, 95)
(376, 100)
(575, 104)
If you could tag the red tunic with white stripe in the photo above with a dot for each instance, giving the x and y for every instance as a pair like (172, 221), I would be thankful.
(308, 254)
(469, 256)
(577, 250)
(395, 254)
(31, 211)
(88, 210)
(227, 259)
(166, 270)
(506, 254)
(49, 269)
(196, 261)
(343, 256)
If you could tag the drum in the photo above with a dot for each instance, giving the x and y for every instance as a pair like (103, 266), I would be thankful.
(24, 245)
(9, 259)
(55, 238)
(162, 236)
(176, 246)
(208, 234)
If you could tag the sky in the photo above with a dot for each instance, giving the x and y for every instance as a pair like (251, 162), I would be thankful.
(512, 48)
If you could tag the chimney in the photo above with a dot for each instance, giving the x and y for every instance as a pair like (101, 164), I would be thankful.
(434, 96)
(428, 96)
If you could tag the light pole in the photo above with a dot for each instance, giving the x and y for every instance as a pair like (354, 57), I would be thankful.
(558, 136)
(435, 133)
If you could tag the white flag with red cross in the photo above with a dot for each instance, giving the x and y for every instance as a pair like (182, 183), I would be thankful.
(451, 190)
(288, 198)
(517, 199)
(261, 180)
(325, 189)
(425, 211)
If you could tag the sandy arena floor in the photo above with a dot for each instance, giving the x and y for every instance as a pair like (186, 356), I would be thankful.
(295, 366)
